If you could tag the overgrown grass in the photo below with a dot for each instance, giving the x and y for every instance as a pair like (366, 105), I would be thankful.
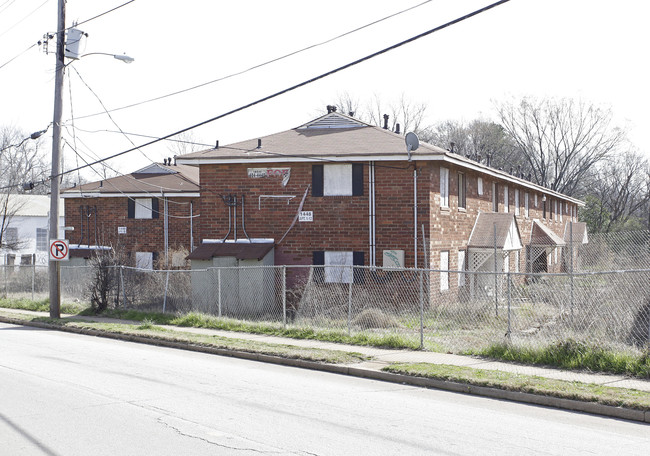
(39, 306)
(197, 320)
(573, 355)
(151, 331)
(617, 397)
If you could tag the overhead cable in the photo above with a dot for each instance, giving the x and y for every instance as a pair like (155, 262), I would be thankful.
(254, 67)
(302, 84)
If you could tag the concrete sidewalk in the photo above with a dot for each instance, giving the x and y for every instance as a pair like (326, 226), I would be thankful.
(384, 357)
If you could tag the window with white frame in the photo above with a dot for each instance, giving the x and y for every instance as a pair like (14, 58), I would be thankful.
(461, 268)
(11, 235)
(41, 239)
(444, 270)
(516, 201)
(526, 205)
(479, 185)
(444, 187)
(144, 260)
(506, 203)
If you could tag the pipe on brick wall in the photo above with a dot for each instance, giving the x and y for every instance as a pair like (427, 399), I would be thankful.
(371, 214)
(415, 217)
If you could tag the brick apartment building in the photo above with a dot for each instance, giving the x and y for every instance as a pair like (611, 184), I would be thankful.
(149, 214)
(337, 191)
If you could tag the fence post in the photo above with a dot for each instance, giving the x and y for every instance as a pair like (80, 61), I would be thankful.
(422, 309)
(350, 304)
(284, 297)
(33, 273)
(123, 287)
(166, 287)
(571, 267)
(219, 291)
(496, 274)
(509, 308)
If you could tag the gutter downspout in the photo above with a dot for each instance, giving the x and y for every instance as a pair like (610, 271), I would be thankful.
(415, 217)
(166, 223)
(372, 215)
(191, 226)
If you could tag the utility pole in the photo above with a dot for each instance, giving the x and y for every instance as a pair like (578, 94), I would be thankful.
(54, 266)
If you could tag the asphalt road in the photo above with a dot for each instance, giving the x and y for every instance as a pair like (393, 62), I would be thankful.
(66, 394)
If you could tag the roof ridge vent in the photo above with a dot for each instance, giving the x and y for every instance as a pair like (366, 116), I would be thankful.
(333, 120)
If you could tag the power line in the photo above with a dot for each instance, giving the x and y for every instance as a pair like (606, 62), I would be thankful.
(24, 18)
(14, 58)
(100, 15)
(145, 136)
(268, 62)
(304, 83)
(108, 113)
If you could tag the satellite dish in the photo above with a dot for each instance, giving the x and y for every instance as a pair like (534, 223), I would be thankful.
(412, 143)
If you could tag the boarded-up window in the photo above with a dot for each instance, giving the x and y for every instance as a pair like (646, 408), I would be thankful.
(337, 179)
(144, 260)
(461, 268)
(444, 187)
(444, 270)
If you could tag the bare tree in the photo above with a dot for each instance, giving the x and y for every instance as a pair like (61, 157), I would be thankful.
(22, 163)
(408, 114)
(618, 194)
(185, 143)
(560, 139)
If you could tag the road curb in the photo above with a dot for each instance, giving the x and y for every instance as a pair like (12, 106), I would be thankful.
(483, 391)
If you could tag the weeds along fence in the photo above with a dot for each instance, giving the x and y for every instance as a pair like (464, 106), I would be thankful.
(597, 298)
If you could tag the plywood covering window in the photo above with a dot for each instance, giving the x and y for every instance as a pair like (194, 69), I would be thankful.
(339, 266)
(444, 270)
(337, 179)
(444, 187)
(143, 208)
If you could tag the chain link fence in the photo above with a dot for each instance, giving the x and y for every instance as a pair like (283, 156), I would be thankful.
(600, 297)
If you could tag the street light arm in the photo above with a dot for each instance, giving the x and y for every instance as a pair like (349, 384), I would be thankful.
(123, 57)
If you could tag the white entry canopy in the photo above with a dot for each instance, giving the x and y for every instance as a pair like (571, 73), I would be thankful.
(498, 230)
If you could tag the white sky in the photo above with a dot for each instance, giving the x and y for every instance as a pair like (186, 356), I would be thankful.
(590, 49)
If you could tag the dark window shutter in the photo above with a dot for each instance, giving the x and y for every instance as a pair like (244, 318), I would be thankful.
(131, 208)
(316, 180)
(319, 260)
(357, 179)
(154, 208)
(358, 259)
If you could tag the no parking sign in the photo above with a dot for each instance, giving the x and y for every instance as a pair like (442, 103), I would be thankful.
(59, 250)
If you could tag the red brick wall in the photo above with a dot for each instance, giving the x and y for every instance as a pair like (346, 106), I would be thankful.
(342, 222)
(451, 228)
(142, 235)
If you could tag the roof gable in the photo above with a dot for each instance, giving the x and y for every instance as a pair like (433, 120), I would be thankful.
(541, 235)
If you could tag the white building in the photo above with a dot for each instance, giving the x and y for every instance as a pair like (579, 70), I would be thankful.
(27, 228)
